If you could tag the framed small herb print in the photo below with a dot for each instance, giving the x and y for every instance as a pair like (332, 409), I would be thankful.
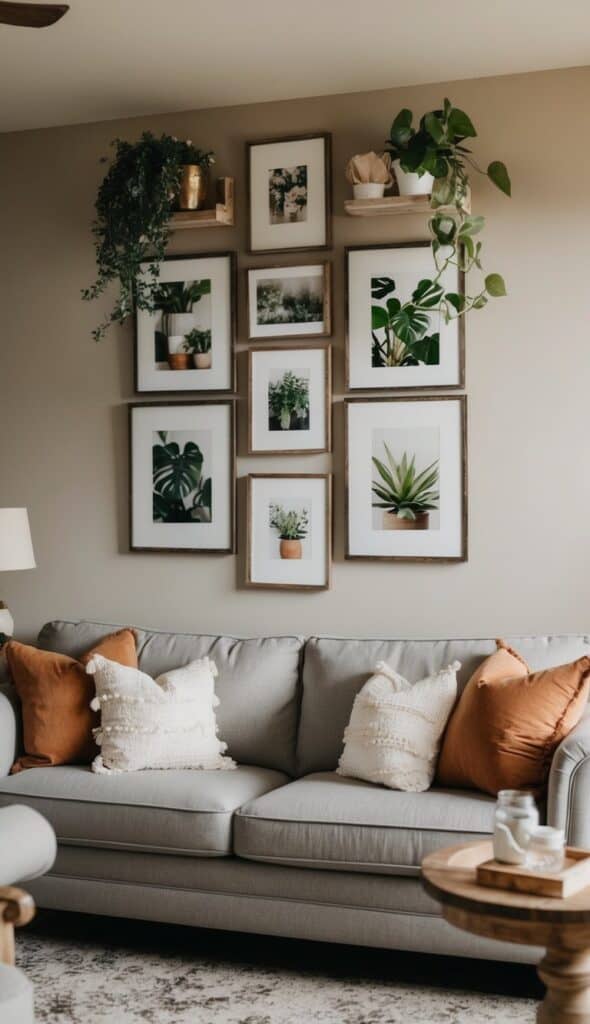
(386, 347)
(182, 476)
(289, 302)
(405, 478)
(289, 193)
(187, 344)
(289, 530)
(289, 399)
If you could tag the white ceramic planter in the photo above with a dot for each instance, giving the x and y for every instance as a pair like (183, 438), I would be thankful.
(411, 184)
(202, 360)
(368, 190)
(175, 343)
(179, 323)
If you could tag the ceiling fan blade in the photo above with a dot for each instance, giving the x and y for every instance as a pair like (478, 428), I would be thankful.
(31, 15)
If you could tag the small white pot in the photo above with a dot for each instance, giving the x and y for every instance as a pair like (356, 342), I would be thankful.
(368, 190)
(180, 323)
(411, 184)
(175, 343)
(202, 360)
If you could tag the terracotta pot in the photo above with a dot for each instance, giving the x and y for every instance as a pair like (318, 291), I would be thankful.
(393, 522)
(202, 360)
(290, 549)
(193, 187)
(179, 360)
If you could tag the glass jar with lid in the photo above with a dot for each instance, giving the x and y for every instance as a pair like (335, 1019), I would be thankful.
(516, 818)
(546, 849)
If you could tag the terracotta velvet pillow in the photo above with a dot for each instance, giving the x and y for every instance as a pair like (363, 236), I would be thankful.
(508, 722)
(55, 694)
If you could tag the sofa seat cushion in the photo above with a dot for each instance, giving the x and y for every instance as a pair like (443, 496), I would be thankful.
(326, 821)
(182, 812)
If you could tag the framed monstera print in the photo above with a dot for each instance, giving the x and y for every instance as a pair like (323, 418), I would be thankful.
(396, 335)
(182, 476)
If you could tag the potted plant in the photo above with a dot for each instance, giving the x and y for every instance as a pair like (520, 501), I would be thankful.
(291, 527)
(176, 300)
(369, 174)
(198, 343)
(406, 496)
(180, 492)
(288, 399)
(133, 209)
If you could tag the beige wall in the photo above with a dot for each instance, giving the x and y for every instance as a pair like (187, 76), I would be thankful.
(63, 440)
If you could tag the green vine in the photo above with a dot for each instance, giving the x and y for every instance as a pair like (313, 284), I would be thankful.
(133, 209)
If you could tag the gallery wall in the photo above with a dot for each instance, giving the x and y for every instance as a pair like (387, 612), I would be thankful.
(63, 415)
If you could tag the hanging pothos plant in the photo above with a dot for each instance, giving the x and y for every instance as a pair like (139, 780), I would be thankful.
(133, 209)
(437, 147)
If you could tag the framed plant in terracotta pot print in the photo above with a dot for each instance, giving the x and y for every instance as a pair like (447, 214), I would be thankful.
(405, 478)
(182, 476)
(289, 193)
(289, 399)
(385, 346)
(187, 344)
(289, 531)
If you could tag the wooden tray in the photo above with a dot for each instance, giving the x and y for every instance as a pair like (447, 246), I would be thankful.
(574, 876)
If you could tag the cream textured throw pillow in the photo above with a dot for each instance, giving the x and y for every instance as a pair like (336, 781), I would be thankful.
(168, 722)
(395, 728)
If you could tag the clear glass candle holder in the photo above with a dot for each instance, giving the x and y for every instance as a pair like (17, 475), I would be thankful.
(546, 850)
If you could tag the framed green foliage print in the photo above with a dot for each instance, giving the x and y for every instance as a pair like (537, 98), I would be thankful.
(182, 476)
(396, 336)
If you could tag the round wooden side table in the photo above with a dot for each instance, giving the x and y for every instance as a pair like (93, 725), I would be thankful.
(561, 925)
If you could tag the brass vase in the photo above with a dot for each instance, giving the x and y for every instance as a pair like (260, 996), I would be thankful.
(193, 187)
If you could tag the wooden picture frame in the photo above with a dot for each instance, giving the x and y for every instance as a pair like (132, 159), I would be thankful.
(153, 378)
(322, 238)
(424, 378)
(324, 523)
(460, 471)
(139, 524)
(256, 332)
(288, 362)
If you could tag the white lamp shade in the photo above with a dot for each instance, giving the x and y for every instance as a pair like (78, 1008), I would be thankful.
(16, 546)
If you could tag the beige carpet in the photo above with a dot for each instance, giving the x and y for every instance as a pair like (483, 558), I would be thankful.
(98, 970)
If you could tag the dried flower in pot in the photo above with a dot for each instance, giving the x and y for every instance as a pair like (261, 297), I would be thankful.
(369, 174)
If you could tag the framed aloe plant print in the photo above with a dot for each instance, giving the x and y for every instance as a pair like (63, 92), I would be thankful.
(397, 337)
(182, 458)
(187, 343)
(289, 399)
(405, 478)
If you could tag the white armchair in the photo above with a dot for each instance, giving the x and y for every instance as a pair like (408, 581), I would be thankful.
(27, 849)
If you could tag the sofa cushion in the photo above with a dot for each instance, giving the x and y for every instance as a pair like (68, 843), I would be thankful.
(335, 670)
(257, 686)
(184, 812)
(326, 821)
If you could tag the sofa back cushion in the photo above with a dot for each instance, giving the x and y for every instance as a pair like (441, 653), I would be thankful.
(257, 685)
(335, 670)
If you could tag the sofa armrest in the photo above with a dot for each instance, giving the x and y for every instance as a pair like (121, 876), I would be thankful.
(568, 802)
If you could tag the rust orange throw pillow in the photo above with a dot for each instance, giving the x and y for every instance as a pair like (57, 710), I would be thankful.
(508, 722)
(55, 693)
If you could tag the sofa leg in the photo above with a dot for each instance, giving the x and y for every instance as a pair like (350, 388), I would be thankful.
(16, 908)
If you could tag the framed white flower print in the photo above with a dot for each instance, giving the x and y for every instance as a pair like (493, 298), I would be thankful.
(182, 476)
(289, 399)
(289, 531)
(385, 348)
(289, 302)
(405, 478)
(187, 344)
(289, 193)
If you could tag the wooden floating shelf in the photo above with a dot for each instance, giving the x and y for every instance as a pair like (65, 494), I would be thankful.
(389, 206)
(220, 216)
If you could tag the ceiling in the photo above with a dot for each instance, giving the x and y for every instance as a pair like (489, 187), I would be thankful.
(117, 58)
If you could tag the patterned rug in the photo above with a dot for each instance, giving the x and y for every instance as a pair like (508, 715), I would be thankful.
(98, 970)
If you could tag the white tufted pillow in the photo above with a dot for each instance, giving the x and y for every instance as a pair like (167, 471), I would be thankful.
(168, 722)
(394, 732)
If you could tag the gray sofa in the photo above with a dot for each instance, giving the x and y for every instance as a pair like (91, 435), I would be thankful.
(282, 845)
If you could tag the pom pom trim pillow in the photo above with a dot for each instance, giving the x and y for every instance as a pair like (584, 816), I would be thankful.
(395, 728)
(168, 722)
(55, 694)
(509, 722)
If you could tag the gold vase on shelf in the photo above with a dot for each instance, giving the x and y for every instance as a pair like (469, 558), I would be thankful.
(193, 187)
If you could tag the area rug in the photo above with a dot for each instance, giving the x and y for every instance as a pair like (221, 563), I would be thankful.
(133, 973)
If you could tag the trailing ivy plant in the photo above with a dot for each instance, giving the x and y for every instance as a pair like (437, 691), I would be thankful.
(133, 209)
(437, 147)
